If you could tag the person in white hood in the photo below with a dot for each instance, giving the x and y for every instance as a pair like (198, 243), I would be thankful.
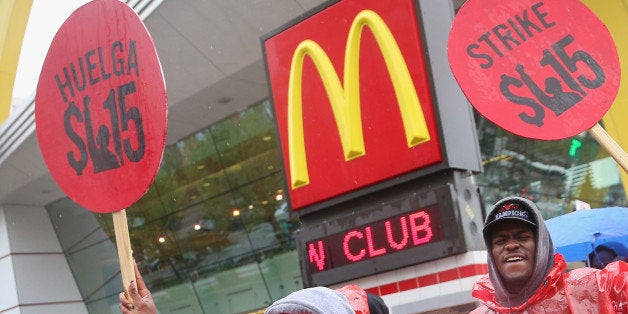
(316, 300)
(350, 299)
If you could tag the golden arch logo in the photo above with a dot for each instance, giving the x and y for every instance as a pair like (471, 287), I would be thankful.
(345, 98)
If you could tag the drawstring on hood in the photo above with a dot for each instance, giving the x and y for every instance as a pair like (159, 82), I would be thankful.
(544, 254)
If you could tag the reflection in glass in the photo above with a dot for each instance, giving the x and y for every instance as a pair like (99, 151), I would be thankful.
(195, 255)
(557, 175)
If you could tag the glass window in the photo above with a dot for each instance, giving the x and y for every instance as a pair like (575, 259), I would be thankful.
(247, 145)
(559, 176)
(90, 252)
(212, 234)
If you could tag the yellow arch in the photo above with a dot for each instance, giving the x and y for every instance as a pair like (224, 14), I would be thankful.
(13, 18)
(345, 102)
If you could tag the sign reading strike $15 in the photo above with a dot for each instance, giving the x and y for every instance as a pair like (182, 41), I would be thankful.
(101, 107)
(539, 69)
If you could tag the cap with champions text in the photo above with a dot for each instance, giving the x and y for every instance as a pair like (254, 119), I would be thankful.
(509, 209)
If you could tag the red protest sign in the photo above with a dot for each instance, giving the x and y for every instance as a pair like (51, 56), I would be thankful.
(544, 70)
(101, 108)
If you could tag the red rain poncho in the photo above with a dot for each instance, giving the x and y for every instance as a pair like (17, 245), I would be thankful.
(357, 298)
(582, 290)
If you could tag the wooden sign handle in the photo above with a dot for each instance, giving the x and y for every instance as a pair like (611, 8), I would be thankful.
(602, 137)
(125, 253)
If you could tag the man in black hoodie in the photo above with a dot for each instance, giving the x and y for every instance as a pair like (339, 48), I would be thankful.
(526, 275)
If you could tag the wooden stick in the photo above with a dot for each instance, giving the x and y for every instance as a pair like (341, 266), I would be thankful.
(602, 137)
(125, 253)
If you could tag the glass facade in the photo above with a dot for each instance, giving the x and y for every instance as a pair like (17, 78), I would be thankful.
(213, 233)
(559, 176)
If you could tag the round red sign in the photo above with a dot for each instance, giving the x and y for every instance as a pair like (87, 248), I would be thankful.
(539, 69)
(100, 107)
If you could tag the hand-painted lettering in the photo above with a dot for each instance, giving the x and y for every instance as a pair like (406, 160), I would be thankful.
(94, 67)
(554, 95)
(95, 145)
(509, 35)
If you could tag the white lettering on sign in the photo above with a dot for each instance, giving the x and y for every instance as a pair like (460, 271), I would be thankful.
(512, 213)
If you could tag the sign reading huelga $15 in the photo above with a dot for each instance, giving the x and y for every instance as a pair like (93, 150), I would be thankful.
(101, 107)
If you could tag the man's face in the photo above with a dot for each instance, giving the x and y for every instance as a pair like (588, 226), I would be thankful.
(513, 247)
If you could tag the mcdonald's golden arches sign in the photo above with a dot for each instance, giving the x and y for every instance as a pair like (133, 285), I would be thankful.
(352, 98)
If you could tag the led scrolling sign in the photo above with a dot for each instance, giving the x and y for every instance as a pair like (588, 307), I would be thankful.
(397, 233)
(409, 224)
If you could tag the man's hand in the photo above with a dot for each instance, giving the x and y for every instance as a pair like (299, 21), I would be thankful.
(140, 300)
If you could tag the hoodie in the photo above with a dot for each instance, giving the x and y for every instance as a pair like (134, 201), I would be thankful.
(349, 299)
(544, 258)
(316, 300)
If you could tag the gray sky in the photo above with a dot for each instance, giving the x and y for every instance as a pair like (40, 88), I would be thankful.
(45, 19)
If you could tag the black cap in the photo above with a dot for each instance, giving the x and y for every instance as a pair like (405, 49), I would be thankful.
(509, 209)
(376, 304)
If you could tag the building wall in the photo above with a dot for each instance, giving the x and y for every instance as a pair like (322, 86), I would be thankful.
(435, 285)
(36, 276)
